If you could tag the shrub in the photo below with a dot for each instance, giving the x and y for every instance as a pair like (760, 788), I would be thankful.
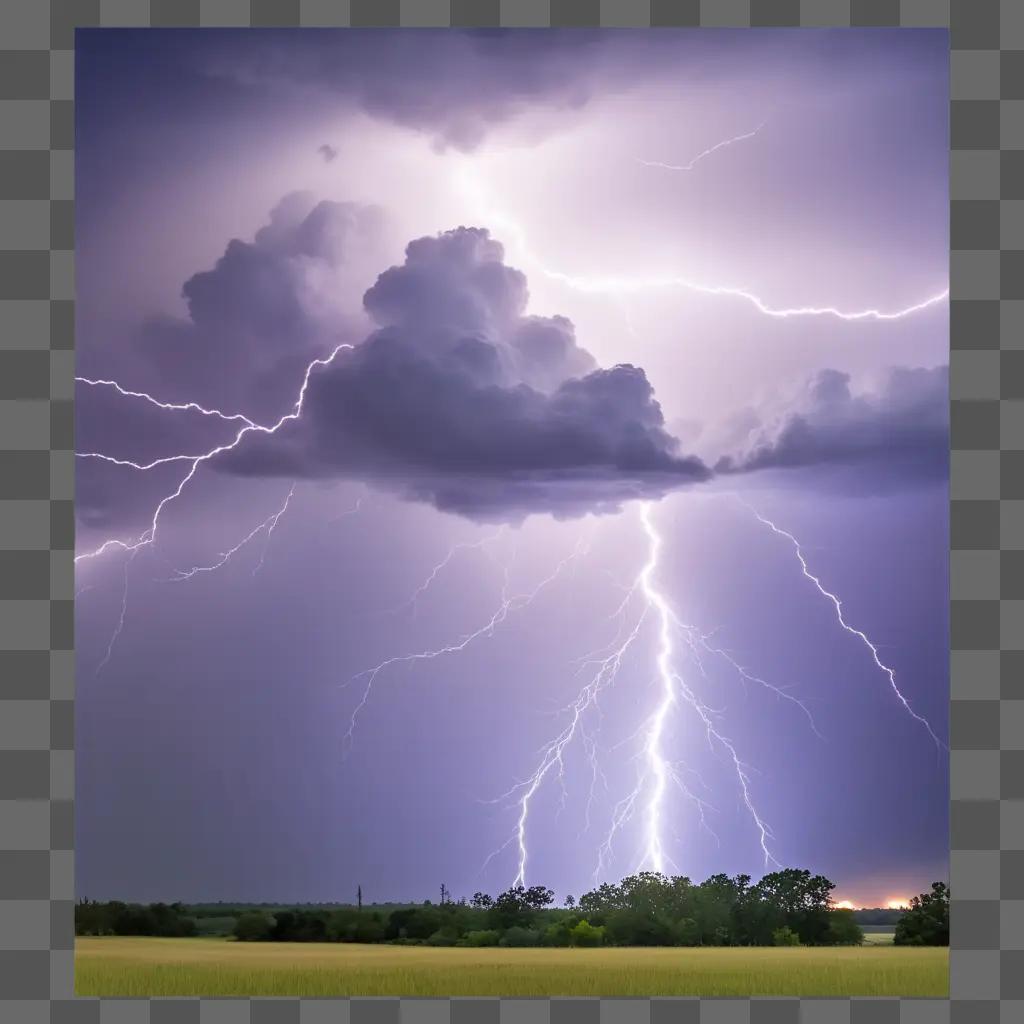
(482, 938)
(785, 937)
(517, 936)
(585, 934)
(443, 937)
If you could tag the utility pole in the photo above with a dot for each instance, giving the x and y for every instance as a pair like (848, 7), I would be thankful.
(359, 897)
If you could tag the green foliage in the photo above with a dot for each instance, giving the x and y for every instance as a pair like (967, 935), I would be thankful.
(516, 936)
(844, 929)
(557, 934)
(785, 936)
(645, 909)
(253, 927)
(585, 934)
(926, 923)
(116, 918)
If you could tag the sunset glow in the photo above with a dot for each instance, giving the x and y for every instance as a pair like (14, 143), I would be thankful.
(899, 903)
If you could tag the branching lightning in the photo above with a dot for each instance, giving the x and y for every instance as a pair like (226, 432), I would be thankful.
(863, 637)
(149, 536)
(266, 527)
(676, 699)
(506, 606)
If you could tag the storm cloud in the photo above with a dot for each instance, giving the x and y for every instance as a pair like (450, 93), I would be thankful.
(461, 399)
(896, 434)
(263, 311)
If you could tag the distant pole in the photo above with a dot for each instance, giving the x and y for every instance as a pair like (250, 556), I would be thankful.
(359, 897)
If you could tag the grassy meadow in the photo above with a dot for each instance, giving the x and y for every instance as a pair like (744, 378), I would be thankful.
(117, 966)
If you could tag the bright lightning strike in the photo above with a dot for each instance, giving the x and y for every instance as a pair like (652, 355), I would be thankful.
(176, 406)
(149, 536)
(656, 770)
(705, 153)
(470, 186)
(837, 604)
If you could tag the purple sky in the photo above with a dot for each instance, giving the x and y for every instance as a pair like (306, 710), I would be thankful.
(610, 297)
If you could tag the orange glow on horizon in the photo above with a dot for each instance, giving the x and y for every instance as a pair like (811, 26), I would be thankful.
(899, 903)
(845, 905)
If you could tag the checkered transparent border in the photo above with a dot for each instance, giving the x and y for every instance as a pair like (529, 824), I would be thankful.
(37, 515)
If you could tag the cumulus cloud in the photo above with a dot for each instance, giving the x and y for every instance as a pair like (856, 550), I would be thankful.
(461, 399)
(874, 439)
(264, 310)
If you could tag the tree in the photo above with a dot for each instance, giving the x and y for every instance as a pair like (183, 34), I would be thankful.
(926, 923)
(843, 929)
(253, 927)
(481, 901)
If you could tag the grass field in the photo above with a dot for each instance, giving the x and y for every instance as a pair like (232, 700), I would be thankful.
(218, 967)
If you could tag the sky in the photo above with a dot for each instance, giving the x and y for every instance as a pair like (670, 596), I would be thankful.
(510, 456)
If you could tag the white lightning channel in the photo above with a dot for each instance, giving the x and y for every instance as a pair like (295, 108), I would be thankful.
(267, 527)
(455, 549)
(176, 406)
(149, 536)
(469, 185)
(702, 155)
(506, 606)
(838, 605)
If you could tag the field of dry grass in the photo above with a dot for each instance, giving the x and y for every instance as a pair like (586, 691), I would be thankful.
(220, 967)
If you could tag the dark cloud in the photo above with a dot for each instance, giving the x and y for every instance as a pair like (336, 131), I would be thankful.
(327, 151)
(460, 399)
(454, 86)
(897, 434)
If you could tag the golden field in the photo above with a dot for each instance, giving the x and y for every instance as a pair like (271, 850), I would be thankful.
(116, 966)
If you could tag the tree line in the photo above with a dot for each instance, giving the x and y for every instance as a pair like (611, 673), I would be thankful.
(785, 908)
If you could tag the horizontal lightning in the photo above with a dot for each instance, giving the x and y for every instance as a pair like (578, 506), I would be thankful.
(469, 185)
(175, 406)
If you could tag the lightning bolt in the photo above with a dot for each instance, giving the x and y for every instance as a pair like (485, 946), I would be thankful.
(455, 549)
(506, 606)
(267, 527)
(175, 406)
(468, 184)
(656, 771)
(149, 536)
(705, 153)
(863, 637)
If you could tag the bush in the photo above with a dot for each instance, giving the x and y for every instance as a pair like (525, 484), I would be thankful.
(517, 936)
(253, 927)
(558, 934)
(785, 937)
(482, 938)
(585, 934)
(443, 937)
